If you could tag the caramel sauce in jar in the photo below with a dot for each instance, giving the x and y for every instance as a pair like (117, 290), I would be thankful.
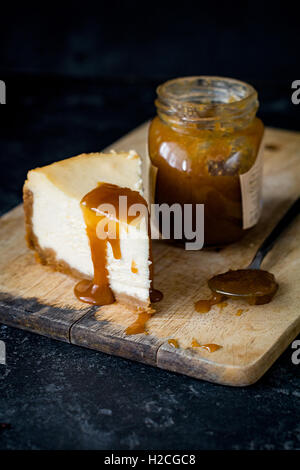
(206, 134)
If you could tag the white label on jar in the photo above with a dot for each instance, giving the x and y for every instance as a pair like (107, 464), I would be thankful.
(251, 188)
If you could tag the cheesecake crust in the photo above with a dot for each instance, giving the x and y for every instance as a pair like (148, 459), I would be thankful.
(47, 256)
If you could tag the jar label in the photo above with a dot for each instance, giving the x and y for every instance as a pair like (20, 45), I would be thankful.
(251, 188)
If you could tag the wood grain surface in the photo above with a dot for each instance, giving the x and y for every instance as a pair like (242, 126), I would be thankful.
(35, 298)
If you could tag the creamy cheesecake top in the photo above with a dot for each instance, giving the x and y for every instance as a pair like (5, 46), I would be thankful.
(73, 175)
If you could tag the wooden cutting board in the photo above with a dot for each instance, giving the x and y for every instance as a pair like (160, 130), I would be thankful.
(34, 298)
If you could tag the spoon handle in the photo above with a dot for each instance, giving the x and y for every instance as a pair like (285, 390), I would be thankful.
(268, 243)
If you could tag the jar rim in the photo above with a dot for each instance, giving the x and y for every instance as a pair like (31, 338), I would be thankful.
(206, 98)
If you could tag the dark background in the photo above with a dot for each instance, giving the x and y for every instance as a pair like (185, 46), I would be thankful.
(79, 76)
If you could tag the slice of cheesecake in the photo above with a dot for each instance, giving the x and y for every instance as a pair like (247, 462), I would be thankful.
(61, 214)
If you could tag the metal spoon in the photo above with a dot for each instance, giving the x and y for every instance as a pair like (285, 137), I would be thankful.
(253, 284)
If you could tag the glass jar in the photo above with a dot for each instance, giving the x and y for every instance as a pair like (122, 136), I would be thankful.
(205, 135)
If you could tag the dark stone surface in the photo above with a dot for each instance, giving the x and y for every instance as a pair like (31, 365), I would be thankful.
(58, 396)
(78, 79)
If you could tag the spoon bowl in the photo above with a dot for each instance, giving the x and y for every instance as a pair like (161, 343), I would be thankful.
(256, 286)
(253, 284)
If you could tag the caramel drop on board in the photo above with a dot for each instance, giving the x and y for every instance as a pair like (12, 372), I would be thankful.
(173, 342)
(99, 222)
(204, 305)
(210, 347)
(239, 312)
(155, 295)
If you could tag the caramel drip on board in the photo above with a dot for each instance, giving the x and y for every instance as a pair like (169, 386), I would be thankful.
(210, 347)
(173, 342)
(98, 292)
(139, 326)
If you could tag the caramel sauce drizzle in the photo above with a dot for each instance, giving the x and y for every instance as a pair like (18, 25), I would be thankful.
(97, 291)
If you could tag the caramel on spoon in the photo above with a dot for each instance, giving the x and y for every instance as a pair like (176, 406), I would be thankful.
(253, 284)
